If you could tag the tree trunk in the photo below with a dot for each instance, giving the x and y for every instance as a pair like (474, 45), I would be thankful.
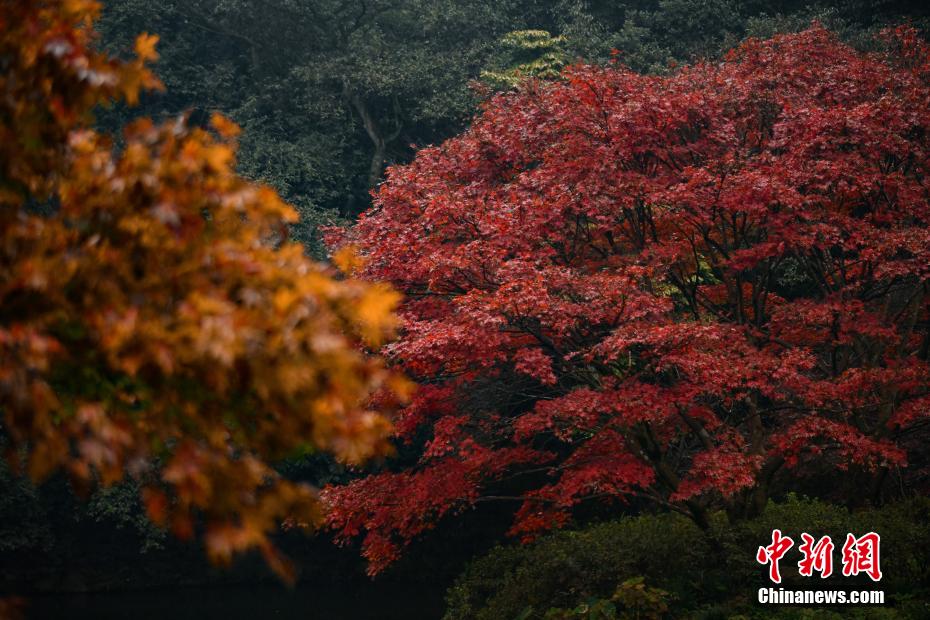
(379, 139)
(376, 168)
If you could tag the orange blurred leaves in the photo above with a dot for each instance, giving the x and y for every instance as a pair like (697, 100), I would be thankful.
(154, 325)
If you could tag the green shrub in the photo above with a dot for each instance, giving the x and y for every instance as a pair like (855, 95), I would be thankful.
(706, 575)
(564, 568)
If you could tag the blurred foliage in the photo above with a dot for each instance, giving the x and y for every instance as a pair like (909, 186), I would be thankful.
(153, 325)
(651, 561)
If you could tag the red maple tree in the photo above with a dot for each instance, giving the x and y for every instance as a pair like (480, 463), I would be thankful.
(684, 288)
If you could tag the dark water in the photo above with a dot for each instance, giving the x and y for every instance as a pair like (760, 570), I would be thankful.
(246, 602)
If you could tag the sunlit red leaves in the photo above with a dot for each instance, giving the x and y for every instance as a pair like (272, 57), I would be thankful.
(155, 322)
(419, 498)
(536, 364)
(600, 468)
(726, 469)
(815, 436)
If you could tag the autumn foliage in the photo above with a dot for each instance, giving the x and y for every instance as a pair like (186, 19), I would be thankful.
(153, 321)
(689, 290)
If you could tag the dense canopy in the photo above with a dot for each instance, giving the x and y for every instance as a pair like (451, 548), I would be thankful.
(687, 289)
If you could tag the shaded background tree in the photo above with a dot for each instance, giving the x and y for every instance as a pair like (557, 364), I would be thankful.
(328, 92)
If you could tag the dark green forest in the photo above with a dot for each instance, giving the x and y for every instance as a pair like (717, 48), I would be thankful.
(329, 95)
